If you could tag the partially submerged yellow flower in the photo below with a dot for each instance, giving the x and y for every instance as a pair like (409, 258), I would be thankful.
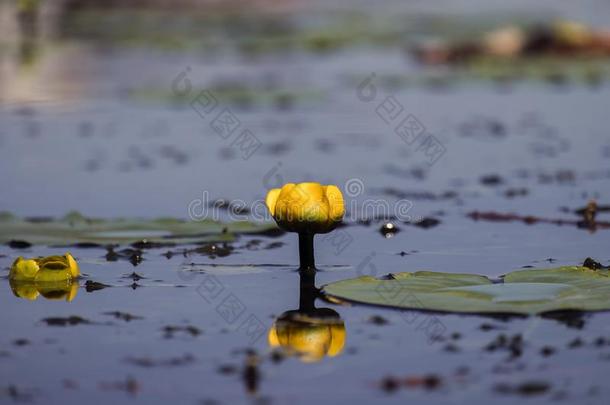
(48, 269)
(311, 341)
(306, 207)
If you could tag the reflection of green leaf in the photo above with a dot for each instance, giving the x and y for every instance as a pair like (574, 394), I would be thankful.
(75, 228)
(521, 292)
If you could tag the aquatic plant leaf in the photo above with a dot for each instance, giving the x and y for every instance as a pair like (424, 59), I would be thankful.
(531, 291)
(76, 228)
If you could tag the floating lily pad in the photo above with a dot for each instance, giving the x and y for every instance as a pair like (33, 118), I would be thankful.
(76, 228)
(520, 292)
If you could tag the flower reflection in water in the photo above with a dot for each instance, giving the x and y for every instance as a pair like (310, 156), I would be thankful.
(65, 290)
(309, 333)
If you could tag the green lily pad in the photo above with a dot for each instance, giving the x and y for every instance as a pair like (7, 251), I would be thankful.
(76, 228)
(531, 291)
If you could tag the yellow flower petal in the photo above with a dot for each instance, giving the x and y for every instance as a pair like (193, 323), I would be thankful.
(310, 190)
(271, 199)
(335, 202)
(274, 341)
(23, 269)
(306, 207)
(50, 275)
(53, 262)
(74, 269)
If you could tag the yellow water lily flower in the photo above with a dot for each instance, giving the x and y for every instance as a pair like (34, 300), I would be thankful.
(306, 207)
(48, 269)
(310, 341)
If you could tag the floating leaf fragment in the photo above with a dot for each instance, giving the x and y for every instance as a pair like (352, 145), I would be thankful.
(525, 292)
(75, 228)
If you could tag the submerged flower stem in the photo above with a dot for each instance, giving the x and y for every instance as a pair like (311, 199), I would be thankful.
(306, 251)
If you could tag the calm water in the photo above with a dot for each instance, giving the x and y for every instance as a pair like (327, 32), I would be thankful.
(94, 130)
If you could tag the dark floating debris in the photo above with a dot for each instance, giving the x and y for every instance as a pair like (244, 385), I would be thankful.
(211, 250)
(492, 216)
(257, 244)
(134, 276)
(484, 128)
(19, 244)
(148, 362)
(592, 208)
(21, 342)
(130, 385)
(516, 192)
(390, 384)
(451, 348)
(571, 318)
(417, 173)
(274, 245)
(529, 388)
(146, 244)
(67, 321)
(576, 343)
(277, 356)
(214, 250)
(418, 195)
(588, 215)
(253, 244)
(592, 264)
(87, 245)
(91, 286)
(513, 344)
(486, 327)
(428, 382)
(19, 394)
(69, 384)
(378, 320)
(251, 374)
(111, 255)
(134, 256)
(491, 180)
(227, 369)
(426, 223)
(270, 233)
(124, 316)
(171, 330)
